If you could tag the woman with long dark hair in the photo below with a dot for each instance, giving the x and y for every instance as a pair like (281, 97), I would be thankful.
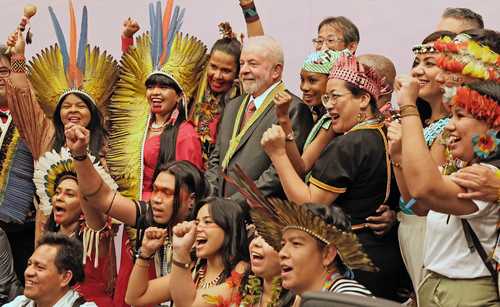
(79, 88)
(60, 197)
(219, 238)
(411, 232)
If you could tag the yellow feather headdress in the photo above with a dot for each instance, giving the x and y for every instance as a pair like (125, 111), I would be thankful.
(58, 71)
(273, 216)
(52, 167)
(161, 51)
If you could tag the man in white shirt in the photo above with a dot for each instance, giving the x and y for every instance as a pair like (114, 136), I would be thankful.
(53, 269)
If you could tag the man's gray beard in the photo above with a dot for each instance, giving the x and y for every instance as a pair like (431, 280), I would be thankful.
(249, 87)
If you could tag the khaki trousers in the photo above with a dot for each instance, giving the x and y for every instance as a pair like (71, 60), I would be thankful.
(439, 291)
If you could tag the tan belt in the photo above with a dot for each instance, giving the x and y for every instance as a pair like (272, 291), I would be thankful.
(359, 227)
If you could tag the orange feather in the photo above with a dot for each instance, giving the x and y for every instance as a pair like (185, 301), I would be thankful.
(74, 73)
(166, 23)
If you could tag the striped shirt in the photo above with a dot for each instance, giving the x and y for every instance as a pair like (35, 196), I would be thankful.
(348, 286)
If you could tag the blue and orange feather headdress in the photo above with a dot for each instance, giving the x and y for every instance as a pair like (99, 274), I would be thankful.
(62, 69)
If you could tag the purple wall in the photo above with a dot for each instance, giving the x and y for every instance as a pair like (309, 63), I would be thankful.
(387, 27)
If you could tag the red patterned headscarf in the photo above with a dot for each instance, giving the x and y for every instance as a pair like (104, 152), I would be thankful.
(350, 70)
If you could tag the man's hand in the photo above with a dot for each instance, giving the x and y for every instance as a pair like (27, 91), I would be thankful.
(154, 238)
(480, 182)
(382, 223)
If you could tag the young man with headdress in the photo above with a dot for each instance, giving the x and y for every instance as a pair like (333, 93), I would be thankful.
(317, 248)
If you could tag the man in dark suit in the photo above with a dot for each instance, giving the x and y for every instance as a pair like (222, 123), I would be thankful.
(247, 117)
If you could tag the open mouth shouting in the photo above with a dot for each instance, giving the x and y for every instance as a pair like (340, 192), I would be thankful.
(59, 212)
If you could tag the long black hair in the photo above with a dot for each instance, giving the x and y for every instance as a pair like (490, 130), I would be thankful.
(186, 175)
(98, 133)
(229, 216)
(168, 137)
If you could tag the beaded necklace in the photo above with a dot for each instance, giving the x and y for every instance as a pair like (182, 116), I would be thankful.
(329, 281)
(203, 284)
(432, 131)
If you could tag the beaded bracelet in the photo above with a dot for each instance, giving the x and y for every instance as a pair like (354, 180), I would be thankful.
(250, 12)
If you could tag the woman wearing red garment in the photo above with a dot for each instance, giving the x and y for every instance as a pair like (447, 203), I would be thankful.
(57, 187)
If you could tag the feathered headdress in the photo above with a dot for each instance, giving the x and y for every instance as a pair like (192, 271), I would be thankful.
(481, 107)
(465, 56)
(60, 70)
(52, 167)
(273, 216)
(347, 68)
(162, 51)
(182, 58)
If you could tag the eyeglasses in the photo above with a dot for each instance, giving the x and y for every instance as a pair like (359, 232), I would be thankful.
(330, 41)
(332, 98)
(4, 72)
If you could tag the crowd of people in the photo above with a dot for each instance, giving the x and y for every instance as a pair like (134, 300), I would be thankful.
(185, 176)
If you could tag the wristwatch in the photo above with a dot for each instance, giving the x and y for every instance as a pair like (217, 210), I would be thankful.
(290, 137)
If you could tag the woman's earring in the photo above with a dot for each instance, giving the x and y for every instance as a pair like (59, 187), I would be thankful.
(485, 145)
(361, 117)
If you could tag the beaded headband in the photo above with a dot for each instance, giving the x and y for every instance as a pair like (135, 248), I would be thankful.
(360, 75)
(424, 49)
(74, 91)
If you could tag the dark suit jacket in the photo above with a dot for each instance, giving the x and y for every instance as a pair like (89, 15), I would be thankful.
(249, 155)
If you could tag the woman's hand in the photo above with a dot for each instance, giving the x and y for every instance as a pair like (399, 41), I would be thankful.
(407, 88)
(274, 141)
(16, 43)
(183, 240)
(154, 238)
(282, 101)
(130, 27)
(480, 181)
(77, 138)
(394, 134)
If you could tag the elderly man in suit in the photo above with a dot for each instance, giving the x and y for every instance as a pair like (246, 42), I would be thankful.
(247, 117)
